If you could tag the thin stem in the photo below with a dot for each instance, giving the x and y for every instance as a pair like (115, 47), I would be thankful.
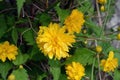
(6, 10)
(99, 16)
(30, 23)
(108, 9)
(92, 73)
(93, 38)
(38, 7)
(23, 33)
(98, 58)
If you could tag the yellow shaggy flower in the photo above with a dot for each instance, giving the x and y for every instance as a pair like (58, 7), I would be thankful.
(54, 41)
(75, 21)
(11, 77)
(7, 51)
(75, 71)
(110, 64)
(102, 1)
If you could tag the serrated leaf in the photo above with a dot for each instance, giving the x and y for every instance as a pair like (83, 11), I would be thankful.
(21, 59)
(116, 75)
(96, 29)
(55, 68)
(3, 26)
(4, 68)
(45, 19)
(20, 74)
(86, 8)
(15, 35)
(62, 13)
(20, 5)
(106, 47)
(83, 56)
(29, 37)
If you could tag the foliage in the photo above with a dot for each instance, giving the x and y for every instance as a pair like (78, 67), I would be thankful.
(21, 20)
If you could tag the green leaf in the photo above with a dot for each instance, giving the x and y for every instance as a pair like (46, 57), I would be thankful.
(106, 47)
(34, 51)
(10, 20)
(21, 59)
(20, 5)
(3, 26)
(96, 29)
(62, 13)
(15, 35)
(63, 77)
(29, 37)
(20, 74)
(86, 7)
(45, 19)
(4, 69)
(35, 54)
(55, 68)
(83, 56)
(40, 77)
(117, 55)
(116, 75)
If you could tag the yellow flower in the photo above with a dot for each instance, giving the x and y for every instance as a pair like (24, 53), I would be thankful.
(110, 64)
(75, 71)
(102, 1)
(54, 41)
(98, 49)
(7, 51)
(118, 36)
(74, 22)
(11, 77)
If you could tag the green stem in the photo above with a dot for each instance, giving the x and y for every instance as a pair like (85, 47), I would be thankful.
(99, 66)
(92, 73)
(108, 9)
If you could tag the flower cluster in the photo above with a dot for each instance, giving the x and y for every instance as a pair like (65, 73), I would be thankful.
(75, 71)
(8, 51)
(110, 64)
(75, 21)
(54, 41)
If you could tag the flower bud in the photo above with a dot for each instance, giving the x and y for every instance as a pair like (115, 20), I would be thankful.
(102, 8)
(11, 77)
(118, 36)
(98, 49)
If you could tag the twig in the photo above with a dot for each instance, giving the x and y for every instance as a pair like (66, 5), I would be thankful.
(99, 16)
(7, 10)
(30, 23)
(38, 7)
(22, 34)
